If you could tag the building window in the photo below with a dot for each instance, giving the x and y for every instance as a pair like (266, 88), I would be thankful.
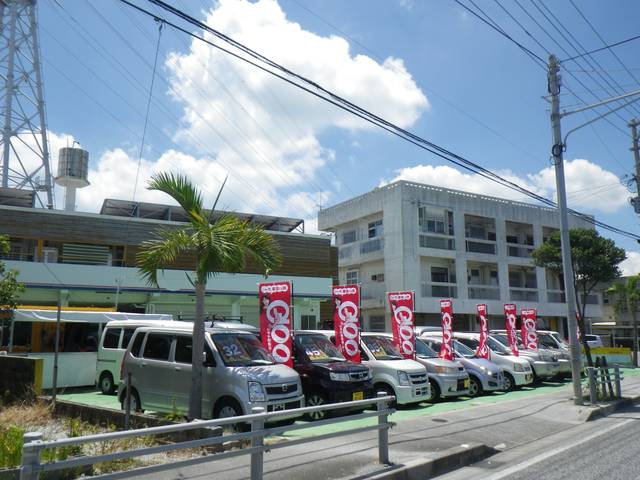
(377, 323)
(435, 220)
(440, 274)
(352, 277)
(375, 229)
(378, 277)
(348, 237)
(308, 322)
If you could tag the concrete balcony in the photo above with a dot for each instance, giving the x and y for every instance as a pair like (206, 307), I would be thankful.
(362, 251)
(484, 292)
(523, 294)
(439, 290)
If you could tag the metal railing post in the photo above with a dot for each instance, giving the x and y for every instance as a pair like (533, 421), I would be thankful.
(127, 402)
(383, 432)
(30, 469)
(616, 374)
(257, 440)
(593, 389)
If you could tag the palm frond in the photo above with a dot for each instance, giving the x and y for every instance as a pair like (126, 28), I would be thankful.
(180, 188)
(162, 252)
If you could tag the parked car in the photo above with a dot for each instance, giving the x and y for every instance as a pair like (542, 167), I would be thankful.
(594, 341)
(517, 371)
(446, 378)
(484, 375)
(239, 373)
(327, 377)
(544, 363)
(113, 343)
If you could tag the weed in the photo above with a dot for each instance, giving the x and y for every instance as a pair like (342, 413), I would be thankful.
(10, 446)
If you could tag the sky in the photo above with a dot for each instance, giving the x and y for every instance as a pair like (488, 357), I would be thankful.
(426, 65)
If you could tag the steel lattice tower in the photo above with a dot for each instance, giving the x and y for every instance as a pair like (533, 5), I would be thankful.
(24, 146)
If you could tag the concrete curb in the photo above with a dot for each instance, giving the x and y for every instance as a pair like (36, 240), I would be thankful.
(604, 410)
(450, 459)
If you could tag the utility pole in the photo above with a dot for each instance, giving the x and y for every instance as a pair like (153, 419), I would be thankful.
(567, 266)
(633, 124)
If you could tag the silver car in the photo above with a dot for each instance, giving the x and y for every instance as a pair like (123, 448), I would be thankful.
(239, 373)
(484, 375)
(544, 363)
(447, 378)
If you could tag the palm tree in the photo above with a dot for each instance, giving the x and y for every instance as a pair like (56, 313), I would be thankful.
(221, 245)
(628, 298)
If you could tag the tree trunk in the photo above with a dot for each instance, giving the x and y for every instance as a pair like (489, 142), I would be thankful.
(195, 395)
(581, 324)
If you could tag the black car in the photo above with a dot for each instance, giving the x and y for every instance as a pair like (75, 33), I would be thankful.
(327, 377)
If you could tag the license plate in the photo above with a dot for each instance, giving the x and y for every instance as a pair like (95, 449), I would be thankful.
(357, 396)
(278, 407)
(466, 383)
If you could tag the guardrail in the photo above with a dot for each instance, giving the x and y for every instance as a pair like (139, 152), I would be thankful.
(602, 381)
(34, 445)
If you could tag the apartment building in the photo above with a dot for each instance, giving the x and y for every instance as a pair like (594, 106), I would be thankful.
(444, 243)
(88, 260)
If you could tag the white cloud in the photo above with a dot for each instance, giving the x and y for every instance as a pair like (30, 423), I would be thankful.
(589, 186)
(631, 266)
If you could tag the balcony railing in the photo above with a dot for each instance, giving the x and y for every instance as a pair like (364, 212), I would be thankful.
(481, 246)
(373, 291)
(484, 292)
(558, 296)
(345, 252)
(523, 294)
(439, 242)
(439, 290)
(371, 246)
(521, 251)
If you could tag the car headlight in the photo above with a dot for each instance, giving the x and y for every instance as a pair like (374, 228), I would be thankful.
(403, 378)
(256, 392)
(517, 367)
(484, 369)
(339, 377)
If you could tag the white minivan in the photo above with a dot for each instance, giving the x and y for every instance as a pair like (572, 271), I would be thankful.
(113, 343)
(239, 373)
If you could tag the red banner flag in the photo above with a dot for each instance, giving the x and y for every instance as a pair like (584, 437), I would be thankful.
(528, 329)
(275, 320)
(510, 314)
(483, 350)
(346, 320)
(404, 336)
(446, 310)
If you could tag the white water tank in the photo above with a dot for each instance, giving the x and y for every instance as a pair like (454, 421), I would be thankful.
(73, 172)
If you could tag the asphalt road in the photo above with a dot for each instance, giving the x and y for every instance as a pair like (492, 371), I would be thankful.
(603, 449)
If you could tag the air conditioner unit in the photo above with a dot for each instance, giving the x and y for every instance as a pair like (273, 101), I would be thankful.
(50, 255)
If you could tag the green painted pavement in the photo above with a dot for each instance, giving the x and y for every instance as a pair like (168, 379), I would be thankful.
(92, 398)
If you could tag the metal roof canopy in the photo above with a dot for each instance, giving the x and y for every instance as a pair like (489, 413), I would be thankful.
(50, 316)
(126, 208)
(17, 197)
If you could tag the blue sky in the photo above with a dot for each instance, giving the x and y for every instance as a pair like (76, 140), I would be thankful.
(451, 79)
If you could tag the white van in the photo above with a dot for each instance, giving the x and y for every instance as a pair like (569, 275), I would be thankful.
(239, 373)
(113, 343)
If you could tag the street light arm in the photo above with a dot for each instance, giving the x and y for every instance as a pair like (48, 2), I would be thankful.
(599, 117)
(599, 104)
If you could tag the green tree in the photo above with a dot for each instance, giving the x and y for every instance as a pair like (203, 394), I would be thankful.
(9, 285)
(595, 261)
(628, 298)
(221, 245)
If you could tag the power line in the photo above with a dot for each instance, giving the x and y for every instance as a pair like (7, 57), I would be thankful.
(606, 47)
(357, 110)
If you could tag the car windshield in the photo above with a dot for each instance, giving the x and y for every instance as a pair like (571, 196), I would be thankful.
(382, 348)
(241, 350)
(462, 350)
(319, 349)
(497, 346)
(423, 350)
(546, 340)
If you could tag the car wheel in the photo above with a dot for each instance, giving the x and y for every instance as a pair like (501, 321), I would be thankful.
(228, 407)
(316, 400)
(509, 382)
(475, 387)
(136, 405)
(435, 391)
(387, 390)
(107, 385)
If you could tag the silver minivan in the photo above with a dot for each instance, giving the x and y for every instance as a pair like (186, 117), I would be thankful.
(239, 373)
